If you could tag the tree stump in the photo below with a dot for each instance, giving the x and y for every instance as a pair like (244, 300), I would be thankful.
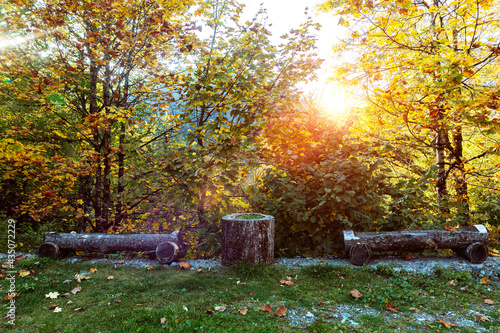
(166, 248)
(469, 242)
(248, 240)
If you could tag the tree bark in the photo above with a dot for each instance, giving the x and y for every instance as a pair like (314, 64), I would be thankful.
(168, 248)
(417, 240)
(247, 240)
(461, 190)
(441, 176)
(121, 175)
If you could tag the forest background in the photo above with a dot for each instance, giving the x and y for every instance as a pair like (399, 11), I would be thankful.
(123, 117)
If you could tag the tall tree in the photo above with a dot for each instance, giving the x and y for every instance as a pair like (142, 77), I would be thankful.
(228, 91)
(432, 68)
(102, 58)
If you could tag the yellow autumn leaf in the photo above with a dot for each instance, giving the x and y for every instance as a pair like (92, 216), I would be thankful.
(484, 280)
(24, 273)
(446, 324)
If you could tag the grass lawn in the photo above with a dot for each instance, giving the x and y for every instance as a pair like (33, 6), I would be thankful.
(174, 300)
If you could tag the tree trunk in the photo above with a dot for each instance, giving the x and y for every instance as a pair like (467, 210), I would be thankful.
(441, 176)
(168, 248)
(461, 191)
(416, 240)
(121, 174)
(248, 240)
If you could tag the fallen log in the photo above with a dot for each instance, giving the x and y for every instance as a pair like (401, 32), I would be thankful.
(167, 248)
(469, 242)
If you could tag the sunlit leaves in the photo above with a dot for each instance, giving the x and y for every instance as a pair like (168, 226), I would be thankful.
(422, 78)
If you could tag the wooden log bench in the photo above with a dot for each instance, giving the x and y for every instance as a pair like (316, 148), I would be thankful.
(166, 248)
(469, 242)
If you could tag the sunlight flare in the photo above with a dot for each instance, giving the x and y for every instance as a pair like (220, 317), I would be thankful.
(335, 100)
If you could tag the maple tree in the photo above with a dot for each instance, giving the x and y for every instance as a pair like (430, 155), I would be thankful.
(427, 71)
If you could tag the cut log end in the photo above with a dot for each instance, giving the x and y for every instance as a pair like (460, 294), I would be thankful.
(167, 253)
(476, 252)
(49, 250)
(359, 254)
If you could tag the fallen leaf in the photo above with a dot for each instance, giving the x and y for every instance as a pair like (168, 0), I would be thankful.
(76, 290)
(79, 253)
(489, 302)
(19, 257)
(493, 255)
(482, 317)
(185, 308)
(163, 321)
(484, 281)
(52, 307)
(391, 307)
(243, 311)
(52, 295)
(447, 227)
(321, 303)
(2, 274)
(139, 304)
(10, 296)
(210, 312)
(331, 310)
(57, 309)
(355, 294)
(199, 270)
(451, 282)
(24, 273)
(81, 277)
(67, 281)
(250, 294)
(220, 308)
(93, 270)
(32, 271)
(111, 277)
(266, 308)
(57, 281)
(414, 310)
(79, 309)
(446, 324)
(121, 262)
(286, 282)
(150, 268)
(281, 312)
(118, 301)
(184, 265)
(65, 295)
(408, 257)
(276, 264)
(320, 261)
(107, 260)
(69, 303)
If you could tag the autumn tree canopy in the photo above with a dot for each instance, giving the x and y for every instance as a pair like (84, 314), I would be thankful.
(428, 71)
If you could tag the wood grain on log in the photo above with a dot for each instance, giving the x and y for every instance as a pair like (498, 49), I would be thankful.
(49, 250)
(247, 240)
(108, 243)
(418, 240)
